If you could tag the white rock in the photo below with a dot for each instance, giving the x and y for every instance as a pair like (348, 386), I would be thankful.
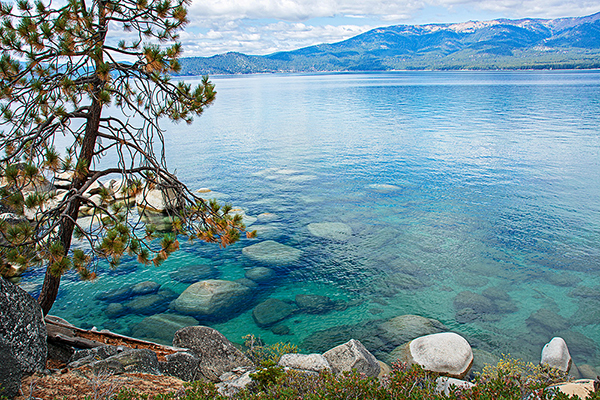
(556, 354)
(352, 356)
(447, 353)
(273, 253)
(445, 384)
(385, 369)
(232, 384)
(94, 188)
(305, 362)
(65, 176)
(330, 230)
(583, 388)
(96, 200)
(156, 200)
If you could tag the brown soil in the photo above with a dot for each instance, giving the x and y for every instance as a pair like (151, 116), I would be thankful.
(78, 383)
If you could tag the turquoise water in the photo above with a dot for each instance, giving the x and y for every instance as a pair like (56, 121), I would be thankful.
(449, 181)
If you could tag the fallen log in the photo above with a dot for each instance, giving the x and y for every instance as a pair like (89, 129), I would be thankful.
(62, 332)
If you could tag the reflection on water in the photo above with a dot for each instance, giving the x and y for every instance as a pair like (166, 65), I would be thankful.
(468, 197)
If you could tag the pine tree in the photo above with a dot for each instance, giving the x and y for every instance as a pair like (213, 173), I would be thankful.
(59, 72)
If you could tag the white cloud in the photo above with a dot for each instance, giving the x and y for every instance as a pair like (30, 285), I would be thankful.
(266, 26)
(301, 10)
(264, 39)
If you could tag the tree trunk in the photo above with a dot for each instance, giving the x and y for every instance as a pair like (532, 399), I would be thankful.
(65, 233)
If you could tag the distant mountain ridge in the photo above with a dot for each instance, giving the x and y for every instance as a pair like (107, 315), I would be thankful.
(496, 44)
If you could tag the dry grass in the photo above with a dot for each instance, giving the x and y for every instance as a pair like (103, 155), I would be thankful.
(79, 383)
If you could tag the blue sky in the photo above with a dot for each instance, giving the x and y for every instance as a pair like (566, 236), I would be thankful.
(267, 26)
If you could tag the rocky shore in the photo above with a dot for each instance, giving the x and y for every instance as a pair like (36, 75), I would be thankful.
(54, 351)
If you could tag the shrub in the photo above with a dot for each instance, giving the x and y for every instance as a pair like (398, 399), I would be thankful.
(260, 353)
(510, 379)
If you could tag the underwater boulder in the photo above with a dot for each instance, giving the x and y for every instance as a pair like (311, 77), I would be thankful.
(314, 303)
(272, 311)
(272, 253)
(142, 288)
(260, 274)
(404, 328)
(195, 272)
(162, 327)
(331, 230)
(212, 298)
(546, 322)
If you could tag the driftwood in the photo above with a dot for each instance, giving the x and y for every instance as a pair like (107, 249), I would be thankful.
(62, 332)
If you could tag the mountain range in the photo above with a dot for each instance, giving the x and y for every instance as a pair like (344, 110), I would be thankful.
(563, 43)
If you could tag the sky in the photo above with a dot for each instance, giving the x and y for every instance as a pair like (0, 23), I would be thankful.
(260, 27)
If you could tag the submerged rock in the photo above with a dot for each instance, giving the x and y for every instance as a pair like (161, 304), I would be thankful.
(404, 281)
(195, 273)
(546, 322)
(148, 304)
(383, 188)
(331, 230)
(162, 327)
(142, 288)
(115, 310)
(480, 304)
(267, 217)
(481, 358)
(271, 311)
(405, 328)
(321, 341)
(281, 329)
(247, 282)
(115, 295)
(212, 299)
(269, 231)
(272, 253)
(260, 274)
(314, 304)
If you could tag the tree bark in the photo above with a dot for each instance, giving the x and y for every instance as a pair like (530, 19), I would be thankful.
(67, 225)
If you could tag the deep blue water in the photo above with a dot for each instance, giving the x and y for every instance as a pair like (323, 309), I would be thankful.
(493, 181)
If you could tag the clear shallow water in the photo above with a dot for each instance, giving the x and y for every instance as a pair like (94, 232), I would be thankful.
(494, 182)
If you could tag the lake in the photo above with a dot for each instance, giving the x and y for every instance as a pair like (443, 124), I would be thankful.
(472, 198)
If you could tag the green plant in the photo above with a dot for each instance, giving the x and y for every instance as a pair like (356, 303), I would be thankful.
(269, 374)
(200, 390)
(259, 353)
(511, 379)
